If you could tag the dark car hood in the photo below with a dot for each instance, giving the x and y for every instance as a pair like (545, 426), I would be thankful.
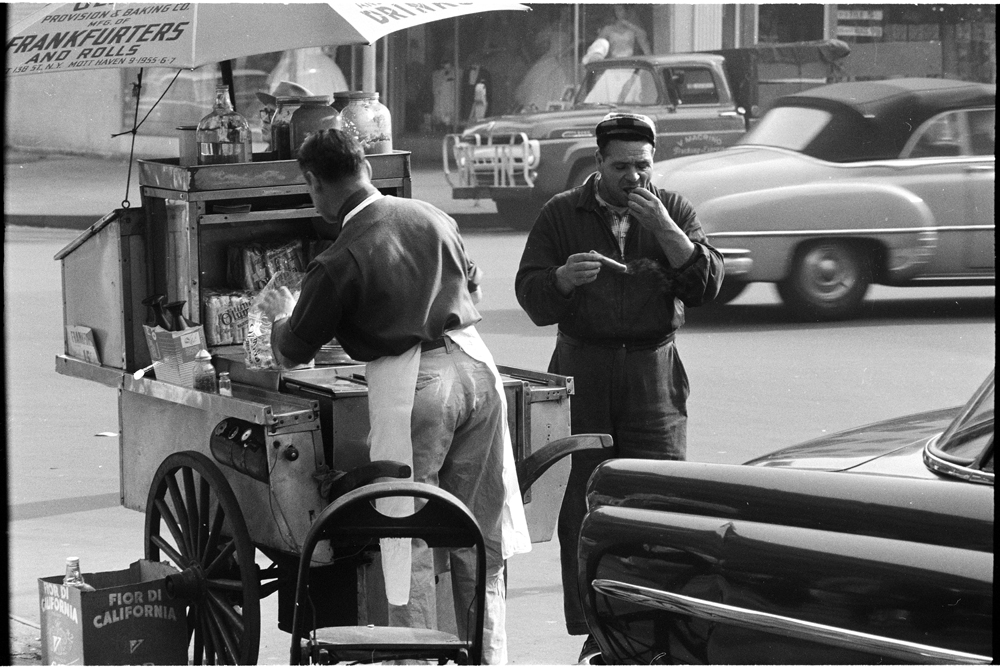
(859, 448)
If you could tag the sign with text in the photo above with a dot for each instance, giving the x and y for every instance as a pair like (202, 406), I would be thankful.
(127, 620)
(83, 36)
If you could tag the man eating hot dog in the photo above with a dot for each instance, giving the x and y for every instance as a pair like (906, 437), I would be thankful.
(616, 328)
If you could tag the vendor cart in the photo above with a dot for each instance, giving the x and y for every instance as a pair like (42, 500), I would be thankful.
(220, 478)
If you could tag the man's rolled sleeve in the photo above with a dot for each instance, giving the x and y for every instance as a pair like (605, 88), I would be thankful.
(314, 321)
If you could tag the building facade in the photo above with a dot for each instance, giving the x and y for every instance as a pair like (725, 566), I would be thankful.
(438, 77)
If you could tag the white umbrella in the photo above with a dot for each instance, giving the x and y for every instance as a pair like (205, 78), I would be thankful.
(78, 36)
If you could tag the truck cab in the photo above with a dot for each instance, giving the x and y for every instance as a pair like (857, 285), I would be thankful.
(521, 160)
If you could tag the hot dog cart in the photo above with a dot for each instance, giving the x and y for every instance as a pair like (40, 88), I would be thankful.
(220, 478)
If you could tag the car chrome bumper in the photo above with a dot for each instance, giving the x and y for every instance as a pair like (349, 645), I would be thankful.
(737, 261)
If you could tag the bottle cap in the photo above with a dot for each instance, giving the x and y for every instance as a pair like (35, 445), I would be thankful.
(203, 355)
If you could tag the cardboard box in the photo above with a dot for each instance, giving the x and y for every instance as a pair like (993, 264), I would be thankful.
(128, 620)
(173, 353)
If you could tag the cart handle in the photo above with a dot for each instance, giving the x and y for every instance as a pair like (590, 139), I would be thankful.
(334, 484)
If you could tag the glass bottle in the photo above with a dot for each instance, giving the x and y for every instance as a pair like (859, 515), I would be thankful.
(224, 135)
(281, 140)
(314, 113)
(204, 373)
(369, 121)
(74, 577)
(225, 384)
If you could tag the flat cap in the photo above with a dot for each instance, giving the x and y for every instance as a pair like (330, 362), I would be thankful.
(619, 125)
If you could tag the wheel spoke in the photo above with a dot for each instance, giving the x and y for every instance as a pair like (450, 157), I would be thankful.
(228, 584)
(230, 622)
(203, 509)
(194, 624)
(169, 551)
(213, 646)
(213, 536)
(181, 512)
(166, 515)
(224, 641)
(192, 508)
(223, 555)
(232, 619)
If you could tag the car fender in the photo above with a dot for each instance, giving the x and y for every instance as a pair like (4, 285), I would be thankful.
(772, 223)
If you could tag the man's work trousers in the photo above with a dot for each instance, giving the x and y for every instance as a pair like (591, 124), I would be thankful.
(638, 395)
(458, 446)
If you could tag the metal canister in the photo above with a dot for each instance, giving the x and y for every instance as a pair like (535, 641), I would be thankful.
(314, 113)
(281, 140)
(369, 121)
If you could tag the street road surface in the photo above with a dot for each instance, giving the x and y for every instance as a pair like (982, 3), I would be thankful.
(759, 381)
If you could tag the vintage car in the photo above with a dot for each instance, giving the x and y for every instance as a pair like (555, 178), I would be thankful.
(842, 186)
(874, 545)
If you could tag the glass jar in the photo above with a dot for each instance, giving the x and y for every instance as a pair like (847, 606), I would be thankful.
(315, 113)
(281, 141)
(369, 121)
(340, 100)
(224, 135)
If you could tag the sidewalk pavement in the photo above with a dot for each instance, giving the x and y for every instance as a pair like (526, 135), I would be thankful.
(64, 191)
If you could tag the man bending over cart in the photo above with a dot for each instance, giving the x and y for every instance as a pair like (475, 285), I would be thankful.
(396, 290)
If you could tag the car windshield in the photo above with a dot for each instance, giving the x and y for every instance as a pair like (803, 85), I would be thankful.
(968, 441)
(618, 85)
(820, 133)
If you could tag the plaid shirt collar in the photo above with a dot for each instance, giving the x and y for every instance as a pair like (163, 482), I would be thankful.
(620, 222)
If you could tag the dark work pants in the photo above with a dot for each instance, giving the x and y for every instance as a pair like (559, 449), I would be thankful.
(639, 397)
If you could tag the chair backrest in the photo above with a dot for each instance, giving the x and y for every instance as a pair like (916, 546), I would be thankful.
(353, 520)
(443, 520)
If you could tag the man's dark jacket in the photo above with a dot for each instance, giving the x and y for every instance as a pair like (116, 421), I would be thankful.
(643, 305)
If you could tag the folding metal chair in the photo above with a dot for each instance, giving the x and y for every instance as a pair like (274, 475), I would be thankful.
(351, 521)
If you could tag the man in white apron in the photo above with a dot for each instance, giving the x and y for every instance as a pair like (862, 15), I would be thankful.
(397, 291)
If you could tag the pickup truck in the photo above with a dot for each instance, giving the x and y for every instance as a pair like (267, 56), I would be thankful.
(700, 102)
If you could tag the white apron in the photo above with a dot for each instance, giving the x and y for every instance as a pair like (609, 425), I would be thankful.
(391, 386)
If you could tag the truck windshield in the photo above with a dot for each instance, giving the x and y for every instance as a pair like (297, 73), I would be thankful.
(617, 86)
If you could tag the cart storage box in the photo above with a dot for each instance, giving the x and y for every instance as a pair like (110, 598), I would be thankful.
(128, 620)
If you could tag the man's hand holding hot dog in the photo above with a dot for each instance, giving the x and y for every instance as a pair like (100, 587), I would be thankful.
(651, 214)
(580, 268)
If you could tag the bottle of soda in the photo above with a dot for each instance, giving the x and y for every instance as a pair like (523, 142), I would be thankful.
(204, 373)
(74, 577)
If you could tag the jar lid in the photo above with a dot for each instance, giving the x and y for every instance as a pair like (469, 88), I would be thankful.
(285, 99)
(321, 99)
(203, 355)
(362, 95)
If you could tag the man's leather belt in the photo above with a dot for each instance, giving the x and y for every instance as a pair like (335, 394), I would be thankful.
(627, 344)
(432, 345)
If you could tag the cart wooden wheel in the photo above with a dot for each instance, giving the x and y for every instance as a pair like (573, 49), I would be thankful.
(194, 522)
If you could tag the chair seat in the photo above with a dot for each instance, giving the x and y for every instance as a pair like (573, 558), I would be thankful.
(387, 638)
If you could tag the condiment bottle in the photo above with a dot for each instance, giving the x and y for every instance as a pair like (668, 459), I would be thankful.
(157, 317)
(369, 121)
(225, 384)
(314, 113)
(174, 308)
(204, 373)
(224, 135)
(74, 578)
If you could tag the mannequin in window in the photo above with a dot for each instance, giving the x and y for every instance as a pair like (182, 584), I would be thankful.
(618, 39)
(477, 89)
(547, 80)
(443, 82)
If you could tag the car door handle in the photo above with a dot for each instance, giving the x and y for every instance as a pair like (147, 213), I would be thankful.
(729, 114)
(980, 168)
(775, 624)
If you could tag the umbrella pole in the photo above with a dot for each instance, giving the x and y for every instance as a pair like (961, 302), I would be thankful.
(131, 152)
